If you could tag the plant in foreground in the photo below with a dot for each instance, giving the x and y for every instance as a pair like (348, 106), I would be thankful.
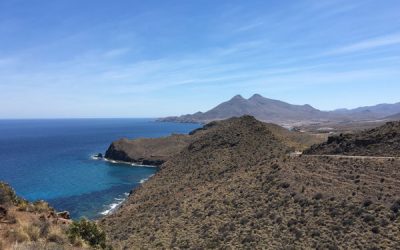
(87, 231)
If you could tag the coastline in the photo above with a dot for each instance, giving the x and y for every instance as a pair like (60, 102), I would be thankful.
(133, 164)
(113, 207)
(120, 200)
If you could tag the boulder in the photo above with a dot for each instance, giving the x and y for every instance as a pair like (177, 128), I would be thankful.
(64, 215)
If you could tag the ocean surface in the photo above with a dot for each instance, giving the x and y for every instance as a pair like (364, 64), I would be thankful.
(52, 160)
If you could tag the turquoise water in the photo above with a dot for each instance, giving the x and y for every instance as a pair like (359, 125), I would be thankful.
(51, 160)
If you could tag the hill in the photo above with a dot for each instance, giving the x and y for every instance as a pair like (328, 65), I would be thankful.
(395, 117)
(380, 141)
(269, 110)
(235, 186)
(376, 111)
(155, 151)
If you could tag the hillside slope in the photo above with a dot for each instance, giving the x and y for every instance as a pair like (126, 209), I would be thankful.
(155, 151)
(35, 225)
(380, 141)
(25, 225)
(235, 187)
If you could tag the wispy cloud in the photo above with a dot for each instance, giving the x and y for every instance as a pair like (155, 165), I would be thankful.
(367, 44)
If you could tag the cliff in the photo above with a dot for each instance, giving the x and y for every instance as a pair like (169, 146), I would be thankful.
(152, 151)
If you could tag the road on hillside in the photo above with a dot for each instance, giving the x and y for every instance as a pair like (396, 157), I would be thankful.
(349, 156)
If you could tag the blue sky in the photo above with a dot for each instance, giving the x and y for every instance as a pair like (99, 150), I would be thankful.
(128, 58)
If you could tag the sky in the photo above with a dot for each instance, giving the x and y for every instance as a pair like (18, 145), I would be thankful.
(127, 58)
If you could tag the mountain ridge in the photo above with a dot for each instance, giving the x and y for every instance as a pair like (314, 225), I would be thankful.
(280, 112)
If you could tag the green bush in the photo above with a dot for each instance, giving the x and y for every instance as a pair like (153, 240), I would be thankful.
(7, 194)
(87, 231)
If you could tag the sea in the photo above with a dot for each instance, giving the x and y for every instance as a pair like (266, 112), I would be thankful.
(52, 160)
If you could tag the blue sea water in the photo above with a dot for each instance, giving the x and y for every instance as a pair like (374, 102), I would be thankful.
(51, 160)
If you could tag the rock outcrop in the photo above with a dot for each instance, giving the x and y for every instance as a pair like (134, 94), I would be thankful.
(380, 141)
(152, 151)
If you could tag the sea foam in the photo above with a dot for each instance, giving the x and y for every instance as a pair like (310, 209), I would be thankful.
(113, 206)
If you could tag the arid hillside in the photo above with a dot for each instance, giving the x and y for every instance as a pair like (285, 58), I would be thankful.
(237, 187)
(380, 141)
(155, 151)
(30, 226)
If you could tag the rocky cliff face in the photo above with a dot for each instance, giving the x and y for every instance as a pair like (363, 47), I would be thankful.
(380, 141)
(147, 151)
(235, 186)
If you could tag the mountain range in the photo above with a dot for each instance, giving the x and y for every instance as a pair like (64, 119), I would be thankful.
(269, 110)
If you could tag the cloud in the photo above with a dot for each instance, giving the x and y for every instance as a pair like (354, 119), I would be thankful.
(116, 52)
(367, 44)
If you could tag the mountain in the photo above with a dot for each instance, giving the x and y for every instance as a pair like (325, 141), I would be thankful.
(236, 186)
(380, 141)
(262, 108)
(377, 111)
(280, 112)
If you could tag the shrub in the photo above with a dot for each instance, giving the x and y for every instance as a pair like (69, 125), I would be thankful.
(285, 185)
(87, 231)
(367, 203)
(375, 230)
(318, 196)
(369, 218)
(7, 194)
(17, 235)
(56, 238)
(33, 232)
(395, 207)
(41, 206)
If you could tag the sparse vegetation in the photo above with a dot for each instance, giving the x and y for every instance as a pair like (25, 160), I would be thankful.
(263, 199)
(88, 231)
(36, 225)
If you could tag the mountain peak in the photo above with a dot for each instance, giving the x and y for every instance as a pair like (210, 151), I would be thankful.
(256, 96)
(237, 97)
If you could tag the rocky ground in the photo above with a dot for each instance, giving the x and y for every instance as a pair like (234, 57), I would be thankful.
(30, 226)
(25, 225)
(380, 141)
(236, 187)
